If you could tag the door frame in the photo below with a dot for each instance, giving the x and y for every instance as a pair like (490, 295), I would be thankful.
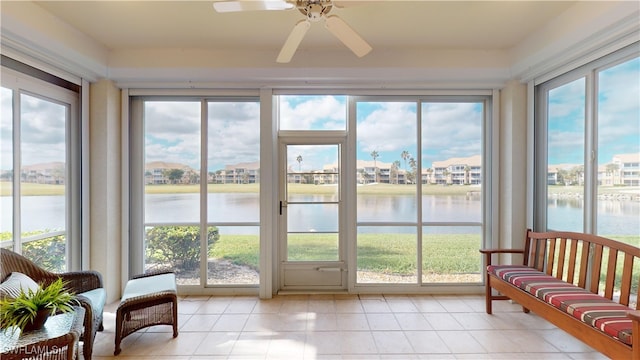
(315, 269)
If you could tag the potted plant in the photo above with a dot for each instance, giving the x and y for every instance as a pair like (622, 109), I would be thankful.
(30, 310)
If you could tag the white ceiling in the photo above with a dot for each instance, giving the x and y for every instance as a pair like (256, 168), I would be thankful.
(419, 43)
(384, 24)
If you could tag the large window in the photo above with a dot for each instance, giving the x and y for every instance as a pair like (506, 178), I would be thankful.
(588, 134)
(201, 189)
(38, 172)
(419, 189)
(392, 187)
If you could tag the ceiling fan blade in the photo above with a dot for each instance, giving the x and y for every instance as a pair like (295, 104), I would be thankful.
(295, 37)
(251, 5)
(347, 35)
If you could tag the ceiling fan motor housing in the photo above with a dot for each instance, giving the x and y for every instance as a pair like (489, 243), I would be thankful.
(314, 10)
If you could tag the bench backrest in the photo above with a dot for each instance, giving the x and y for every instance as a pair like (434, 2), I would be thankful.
(603, 266)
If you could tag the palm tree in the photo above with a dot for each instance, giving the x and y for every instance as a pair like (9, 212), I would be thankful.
(414, 169)
(612, 169)
(429, 175)
(299, 160)
(467, 170)
(405, 156)
(446, 174)
(365, 176)
(375, 155)
(394, 168)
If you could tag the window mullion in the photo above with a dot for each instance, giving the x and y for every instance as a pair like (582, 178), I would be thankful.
(590, 164)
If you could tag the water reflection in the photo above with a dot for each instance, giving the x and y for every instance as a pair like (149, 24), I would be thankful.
(614, 216)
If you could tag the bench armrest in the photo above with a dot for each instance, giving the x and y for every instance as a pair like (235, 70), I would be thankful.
(634, 315)
(488, 252)
(502, 251)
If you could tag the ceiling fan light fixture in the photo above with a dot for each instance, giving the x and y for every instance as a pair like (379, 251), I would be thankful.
(313, 11)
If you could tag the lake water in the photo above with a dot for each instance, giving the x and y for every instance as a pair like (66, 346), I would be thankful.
(614, 216)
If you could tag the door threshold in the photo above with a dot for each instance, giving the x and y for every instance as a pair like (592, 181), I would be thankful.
(312, 292)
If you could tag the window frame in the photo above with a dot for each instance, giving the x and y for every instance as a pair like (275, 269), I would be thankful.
(590, 72)
(136, 199)
(22, 79)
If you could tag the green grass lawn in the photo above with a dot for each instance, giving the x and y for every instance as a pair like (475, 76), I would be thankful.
(387, 253)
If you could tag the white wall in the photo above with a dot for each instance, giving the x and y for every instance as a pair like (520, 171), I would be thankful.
(105, 184)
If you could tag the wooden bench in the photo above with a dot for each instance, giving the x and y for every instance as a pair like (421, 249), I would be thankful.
(584, 284)
(148, 300)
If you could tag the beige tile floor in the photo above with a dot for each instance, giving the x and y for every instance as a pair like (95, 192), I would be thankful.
(345, 327)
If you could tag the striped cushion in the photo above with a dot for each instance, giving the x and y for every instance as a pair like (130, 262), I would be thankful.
(594, 310)
(16, 283)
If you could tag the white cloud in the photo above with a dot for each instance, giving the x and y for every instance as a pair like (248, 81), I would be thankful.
(172, 131)
(451, 130)
(619, 110)
(390, 127)
(312, 112)
(234, 134)
(43, 131)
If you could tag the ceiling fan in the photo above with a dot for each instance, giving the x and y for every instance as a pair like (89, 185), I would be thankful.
(314, 11)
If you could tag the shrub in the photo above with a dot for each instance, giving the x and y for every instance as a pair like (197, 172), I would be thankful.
(177, 246)
(49, 253)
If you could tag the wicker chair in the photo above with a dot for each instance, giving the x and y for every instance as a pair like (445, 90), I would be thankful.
(87, 282)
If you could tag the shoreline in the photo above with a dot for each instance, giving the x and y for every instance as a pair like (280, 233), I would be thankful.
(622, 193)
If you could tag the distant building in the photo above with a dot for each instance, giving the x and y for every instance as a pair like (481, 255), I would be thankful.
(157, 172)
(45, 173)
(369, 171)
(623, 170)
(241, 173)
(456, 171)
(565, 174)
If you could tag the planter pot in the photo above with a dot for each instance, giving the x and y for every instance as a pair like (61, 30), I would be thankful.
(38, 322)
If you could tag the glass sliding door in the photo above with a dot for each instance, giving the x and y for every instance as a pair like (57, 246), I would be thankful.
(43, 157)
(201, 188)
(233, 192)
(387, 174)
(37, 171)
(452, 191)
(618, 190)
(171, 189)
(419, 179)
(565, 156)
(588, 132)
(6, 168)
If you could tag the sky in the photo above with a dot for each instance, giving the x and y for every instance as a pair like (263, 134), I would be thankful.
(42, 130)
(388, 128)
(172, 128)
(618, 116)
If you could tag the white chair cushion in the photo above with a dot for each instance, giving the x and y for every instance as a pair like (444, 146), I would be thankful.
(149, 285)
